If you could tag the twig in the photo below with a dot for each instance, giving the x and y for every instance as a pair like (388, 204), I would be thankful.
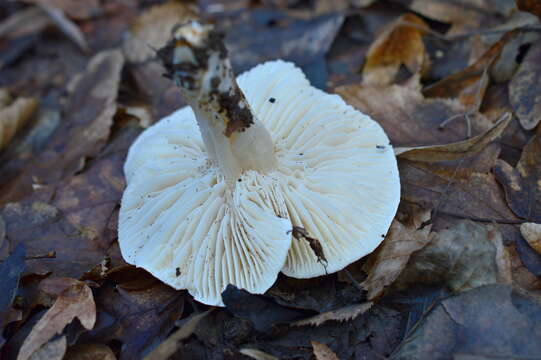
(49, 255)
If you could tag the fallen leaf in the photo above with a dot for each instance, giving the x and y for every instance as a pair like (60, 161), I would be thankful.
(463, 15)
(152, 29)
(387, 262)
(469, 85)
(83, 131)
(465, 256)
(399, 44)
(170, 346)
(257, 354)
(76, 223)
(74, 301)
(531, 6)
(14, 114)
(68, 27)
(343, 314)
(73, 8)
(323, 352)
(262, 312)
(525, 90)
(522, 184)
(135, 320)
(478, 321)
(532, 234)
(10, 273)
(455, 150)
(53, 350)
(89, 352)
(408, 118)
(29, 21)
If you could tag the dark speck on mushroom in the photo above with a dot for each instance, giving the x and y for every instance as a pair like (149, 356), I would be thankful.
(272, 100)
(381, 147)
(177, 272)
(240, 180)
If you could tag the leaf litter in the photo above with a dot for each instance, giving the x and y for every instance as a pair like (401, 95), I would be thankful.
(459, 103)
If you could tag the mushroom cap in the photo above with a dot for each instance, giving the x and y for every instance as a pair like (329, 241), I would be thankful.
(337, 178)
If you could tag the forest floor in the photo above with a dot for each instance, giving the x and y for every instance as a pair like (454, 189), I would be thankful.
(456, 86)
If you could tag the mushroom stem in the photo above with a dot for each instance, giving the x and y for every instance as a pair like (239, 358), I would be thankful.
(196, 59)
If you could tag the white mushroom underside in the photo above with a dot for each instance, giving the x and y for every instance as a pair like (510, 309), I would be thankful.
(180, 221)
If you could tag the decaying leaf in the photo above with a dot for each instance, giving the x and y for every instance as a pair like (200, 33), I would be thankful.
(14, 114)
(257, 354)
(525, 88)
(532, 234)
(90, 352)
(323, 352)
(73, 8)
(465, 256)
(408, 118)
(169, 346)
(495, 321)
(68, 27)
(74, 301)
(388, 261)
(343, 314)
(458, 150)
(53, 350)
(469, 85)
(522, 184)
(531, 6)
(399, 44)
(10, 272)
(153, 28)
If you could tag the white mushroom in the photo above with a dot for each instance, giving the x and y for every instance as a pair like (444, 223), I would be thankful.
(219, 203)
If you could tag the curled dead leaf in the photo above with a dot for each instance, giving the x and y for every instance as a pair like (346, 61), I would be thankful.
(455, 150)
(387, 262)
(153, 28)
(323, 352)
(531, 6)
(464, 256)
(14, 115)
(521, 184)
(469, 85)
(525, 89)
(343, 314)
(399, 44)
(532, 234)
(75, 301)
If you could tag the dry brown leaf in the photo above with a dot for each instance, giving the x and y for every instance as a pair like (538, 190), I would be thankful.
(257, 354)
(28, 21)
(153, 28)
(399, 44)
(532, 234)
(74, 301)
(522, 184)
(525, 89)
(455, 150)
(323, 352)
(343, 314)
(14, 115)
(408, 118)
(90, 352)
(463, 15)
(531, 6)
(76, 9)
(390, 258)
(469, 85)
(68, 27)
(53, 350)
(464, 256)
